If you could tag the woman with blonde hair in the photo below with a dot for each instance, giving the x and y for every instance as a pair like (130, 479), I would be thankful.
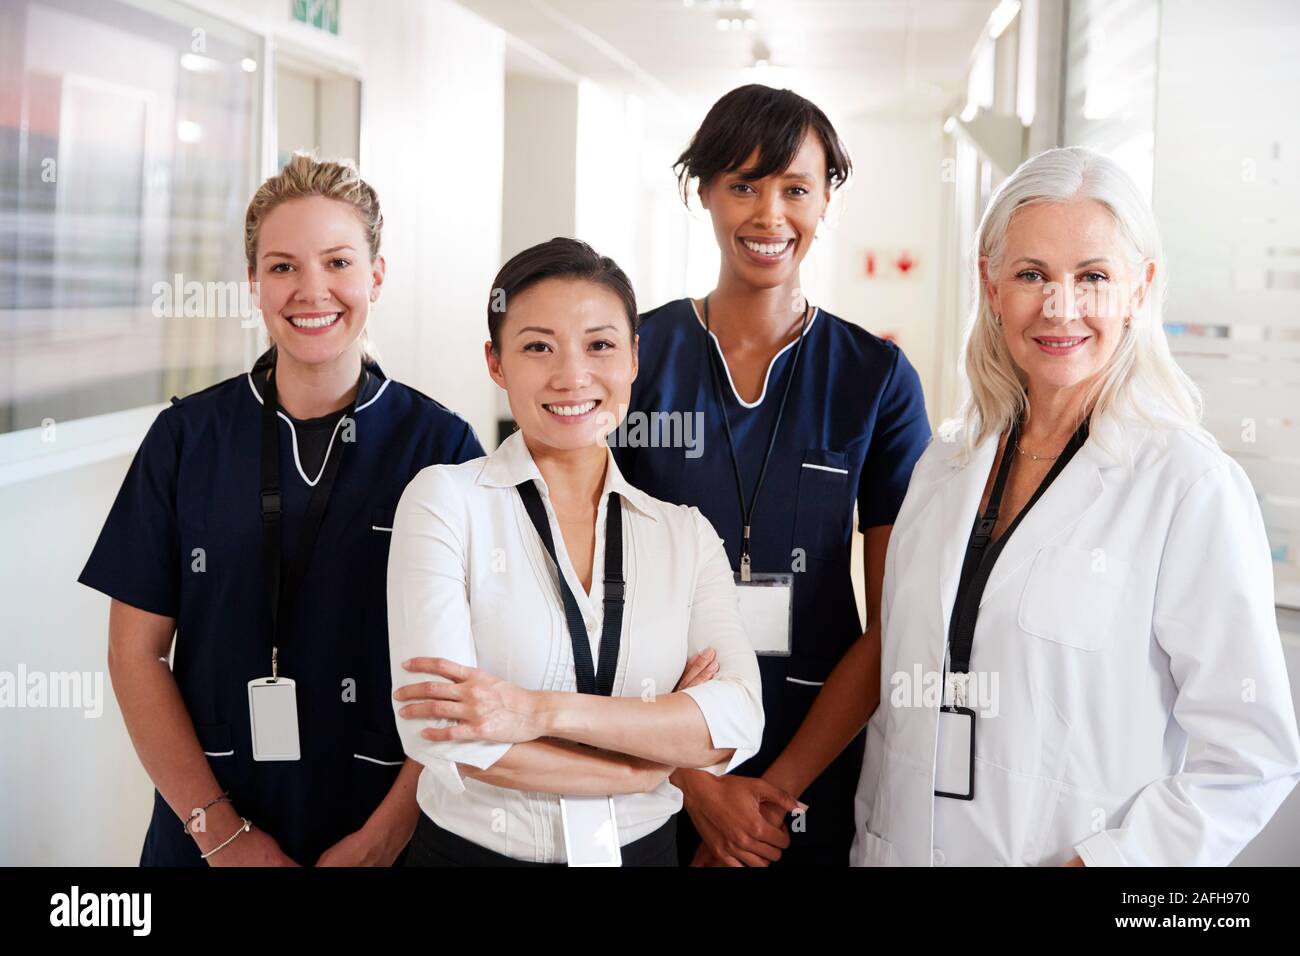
(253, 527)
(1081, 658)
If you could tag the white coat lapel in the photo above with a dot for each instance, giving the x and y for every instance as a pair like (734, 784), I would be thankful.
(1075, 490)
(959, 500)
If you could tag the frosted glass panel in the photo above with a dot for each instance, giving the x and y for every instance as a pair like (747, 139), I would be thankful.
(1227, 191)
(1110, 81)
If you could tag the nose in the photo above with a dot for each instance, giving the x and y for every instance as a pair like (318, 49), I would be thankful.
(770, 212)
(1069, 303)
(311, 287)
(570, 372)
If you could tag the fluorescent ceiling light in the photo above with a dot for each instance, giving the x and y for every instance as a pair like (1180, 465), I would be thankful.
(1002, 16)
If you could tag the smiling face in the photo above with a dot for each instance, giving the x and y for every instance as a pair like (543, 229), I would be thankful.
(567, 361)
(765, 227)
(1064, 288)
(316, 278)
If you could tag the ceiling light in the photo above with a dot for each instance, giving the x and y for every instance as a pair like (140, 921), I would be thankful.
(1002, 16)
(199, 64)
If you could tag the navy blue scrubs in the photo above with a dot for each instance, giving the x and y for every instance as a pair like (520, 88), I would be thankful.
(853, 428)
(184, 540)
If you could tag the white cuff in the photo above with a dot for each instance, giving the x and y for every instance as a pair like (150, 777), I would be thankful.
(730, 720)
(480, 754)
(1100, 850)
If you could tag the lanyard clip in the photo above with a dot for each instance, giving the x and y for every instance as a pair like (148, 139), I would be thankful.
(744, 555)
(958, 681)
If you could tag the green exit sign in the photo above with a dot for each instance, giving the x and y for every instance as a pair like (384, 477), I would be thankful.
(321, 14)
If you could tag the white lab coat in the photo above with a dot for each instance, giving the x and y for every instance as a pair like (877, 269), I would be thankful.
(1137, 709)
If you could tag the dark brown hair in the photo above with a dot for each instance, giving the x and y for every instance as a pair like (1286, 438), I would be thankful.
(560, 258)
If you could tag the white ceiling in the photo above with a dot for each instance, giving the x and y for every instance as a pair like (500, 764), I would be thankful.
(850, 56)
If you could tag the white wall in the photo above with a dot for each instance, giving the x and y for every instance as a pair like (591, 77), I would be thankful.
(894, 204)
(74, 791)
(432, 120)
(541, 157)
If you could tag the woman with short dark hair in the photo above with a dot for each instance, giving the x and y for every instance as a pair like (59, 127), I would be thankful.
(566, 640)
(804, 417)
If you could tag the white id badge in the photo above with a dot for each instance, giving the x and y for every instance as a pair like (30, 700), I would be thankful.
(590, 831)
(954, 759)
(273, 714)
(765, 602)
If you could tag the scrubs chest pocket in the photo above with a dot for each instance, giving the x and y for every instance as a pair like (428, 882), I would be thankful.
(822, 510)
(1072, 596)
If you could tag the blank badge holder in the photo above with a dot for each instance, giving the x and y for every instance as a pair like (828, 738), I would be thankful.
(273, 716)
(954, 759)
(765, 607)
(590, 831)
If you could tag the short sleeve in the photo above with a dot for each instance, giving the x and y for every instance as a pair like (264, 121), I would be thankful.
(136, 558)
(732, 703)
(901, 435)
(469, 447)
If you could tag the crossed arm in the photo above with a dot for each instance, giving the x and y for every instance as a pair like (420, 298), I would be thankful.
(464, 721)
(563, 743)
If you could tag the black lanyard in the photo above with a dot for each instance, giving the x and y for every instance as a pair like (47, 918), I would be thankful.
(747, 511)
(602, 680)
(982, 552)
(281, 589)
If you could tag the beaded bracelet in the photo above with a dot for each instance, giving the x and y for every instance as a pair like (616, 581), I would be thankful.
(225, 795)
(230, 839)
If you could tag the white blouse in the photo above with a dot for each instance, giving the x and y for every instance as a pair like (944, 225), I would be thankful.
(469, 580)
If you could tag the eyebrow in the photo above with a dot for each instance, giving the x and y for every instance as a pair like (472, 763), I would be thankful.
(1043, 265)
(538, 328)
(748, 173)
(323, 252)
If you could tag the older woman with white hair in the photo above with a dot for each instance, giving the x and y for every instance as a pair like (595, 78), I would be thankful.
(1081, 661)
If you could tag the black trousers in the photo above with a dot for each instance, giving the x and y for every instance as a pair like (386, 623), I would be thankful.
(434, 846)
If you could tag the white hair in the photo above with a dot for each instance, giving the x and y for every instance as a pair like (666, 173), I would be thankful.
(1141, 382)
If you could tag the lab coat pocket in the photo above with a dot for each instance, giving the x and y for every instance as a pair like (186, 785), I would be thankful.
(874, 850)
(1072, 595)
(823, 510)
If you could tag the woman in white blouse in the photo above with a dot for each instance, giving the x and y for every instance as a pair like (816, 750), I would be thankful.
(479, 621)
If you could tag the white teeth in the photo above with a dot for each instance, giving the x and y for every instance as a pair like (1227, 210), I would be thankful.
(314, 323)
(766, 248)
(568, 411)
(1061, 343)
